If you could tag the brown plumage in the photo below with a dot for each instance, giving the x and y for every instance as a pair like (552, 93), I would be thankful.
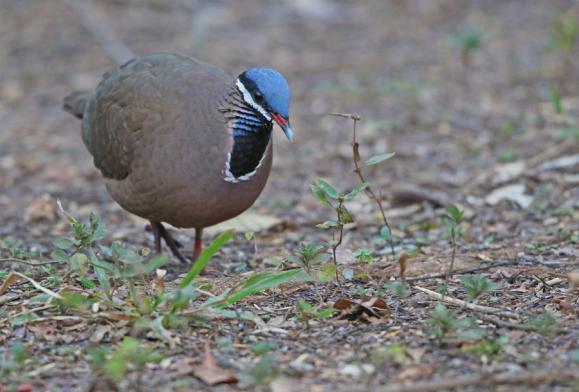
(160, 129)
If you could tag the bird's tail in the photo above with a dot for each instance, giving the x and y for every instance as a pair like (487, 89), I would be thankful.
(76, 102)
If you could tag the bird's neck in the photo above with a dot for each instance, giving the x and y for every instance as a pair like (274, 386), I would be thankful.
(251, 134)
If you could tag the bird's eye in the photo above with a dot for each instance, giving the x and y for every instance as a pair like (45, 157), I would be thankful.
(258, 97)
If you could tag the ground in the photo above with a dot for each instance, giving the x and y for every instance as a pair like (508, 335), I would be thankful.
(478, 99)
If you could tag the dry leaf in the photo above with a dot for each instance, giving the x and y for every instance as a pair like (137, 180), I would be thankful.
(210, 372)
(353, 310)
(248, 221)
(514, 193)
(41, 208)
(415, 372)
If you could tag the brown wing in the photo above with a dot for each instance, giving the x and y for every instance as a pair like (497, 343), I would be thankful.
(130, 100)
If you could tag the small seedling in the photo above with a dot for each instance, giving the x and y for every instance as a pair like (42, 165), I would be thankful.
(326, 194)
(468, 41)
(488, 347)
(358, 166)
(444, 321)
(476, 285)
(309, 256)
(129, 355)
(308, 311)
(452, 219)
(556, 100)
(364, 255)
(565, 33)
(542, 324)
(398, 288)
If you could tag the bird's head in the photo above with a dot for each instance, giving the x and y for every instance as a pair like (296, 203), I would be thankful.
(267, 91)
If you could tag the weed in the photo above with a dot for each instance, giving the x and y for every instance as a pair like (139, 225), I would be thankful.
(129, 355)
(476, 285)
(326, 194)
(564, 34)
(488, 347)
(364, 255)
(452, 219)
(356, 158)
(444, 321)
(468, 41)
(542, 324)
(308, 311)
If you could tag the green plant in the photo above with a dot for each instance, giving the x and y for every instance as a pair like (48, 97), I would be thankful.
(129, 355)
(452, 220)
(14, 362)
(444, 321)
(358, 166)
(476, 285)
(488, 347)
(110, 265)
(308, 311)
(326, 194)
(364, 255)
(309, 256)
(398, 288)
(542, 324)
(468, 41)
(556, 100)
(565, 33)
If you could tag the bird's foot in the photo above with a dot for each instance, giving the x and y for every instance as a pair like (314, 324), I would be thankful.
(159, 231)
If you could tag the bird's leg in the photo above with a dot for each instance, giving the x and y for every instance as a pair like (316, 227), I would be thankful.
(198, 243)
(157, 235)
(169, 240)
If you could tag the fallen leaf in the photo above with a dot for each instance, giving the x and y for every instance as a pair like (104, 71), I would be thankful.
(41, 208)
(514, 193)
(415, 372)
(353, 310)
(559, 163)
(248, 221)
(508, 171)
(210, 372)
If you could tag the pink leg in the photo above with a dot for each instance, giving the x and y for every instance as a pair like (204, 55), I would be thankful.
(198, 243)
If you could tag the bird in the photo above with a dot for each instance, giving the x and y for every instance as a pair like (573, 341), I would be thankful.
(182, 142)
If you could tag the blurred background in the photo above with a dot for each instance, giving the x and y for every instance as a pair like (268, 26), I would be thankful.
(469, 94)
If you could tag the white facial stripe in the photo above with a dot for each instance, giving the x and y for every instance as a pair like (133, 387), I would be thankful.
(249, 99)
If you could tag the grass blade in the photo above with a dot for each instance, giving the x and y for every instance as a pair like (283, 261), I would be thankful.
(206, 256)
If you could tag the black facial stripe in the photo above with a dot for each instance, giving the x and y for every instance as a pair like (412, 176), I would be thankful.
(248, 149)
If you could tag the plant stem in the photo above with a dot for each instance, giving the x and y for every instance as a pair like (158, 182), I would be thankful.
(335, 247)
(369, 191)
(452, 257)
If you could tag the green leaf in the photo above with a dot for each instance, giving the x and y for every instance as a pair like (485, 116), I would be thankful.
(344, 215)
(328, 189)
(59, 255)
(357, 189)
(328, 224)
(273, 280)
(378, 158)
(63, 243)
(206, 256)
(79, 263)
(555, 100)
(320, 195)
(454, 212)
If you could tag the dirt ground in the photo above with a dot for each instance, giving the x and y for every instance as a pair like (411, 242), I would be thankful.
(479, 128)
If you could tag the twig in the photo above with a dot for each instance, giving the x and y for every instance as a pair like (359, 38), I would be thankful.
(116, 50)
(28, 262)
(465, 271)
(358, 170)
(532, 377)
(468, 305)
(508, 324)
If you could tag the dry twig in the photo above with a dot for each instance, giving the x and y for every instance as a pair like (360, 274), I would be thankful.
(468, 305)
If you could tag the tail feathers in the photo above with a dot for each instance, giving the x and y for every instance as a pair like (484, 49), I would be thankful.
(76, 102)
